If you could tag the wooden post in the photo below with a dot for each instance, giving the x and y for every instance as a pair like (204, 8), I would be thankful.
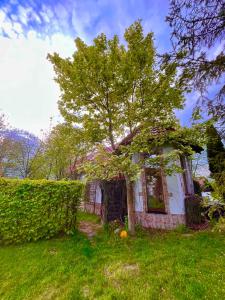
(105, 202)
(130, 206)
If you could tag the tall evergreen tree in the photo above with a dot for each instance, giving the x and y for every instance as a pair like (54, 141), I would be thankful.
(215, 152)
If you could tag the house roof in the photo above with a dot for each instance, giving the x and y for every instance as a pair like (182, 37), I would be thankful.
(155, 132)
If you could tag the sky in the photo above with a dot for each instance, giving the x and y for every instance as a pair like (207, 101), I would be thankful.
(30, 29)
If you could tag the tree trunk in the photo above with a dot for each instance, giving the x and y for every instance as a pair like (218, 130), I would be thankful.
(130, 206)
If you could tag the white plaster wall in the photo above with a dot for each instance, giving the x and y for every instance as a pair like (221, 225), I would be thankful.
(138, 196)
(175, 190)
(98, 195)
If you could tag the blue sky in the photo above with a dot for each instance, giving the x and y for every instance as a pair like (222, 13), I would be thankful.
(87, 18)
(32, 28)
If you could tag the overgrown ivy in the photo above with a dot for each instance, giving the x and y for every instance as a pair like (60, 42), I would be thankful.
(37, 209)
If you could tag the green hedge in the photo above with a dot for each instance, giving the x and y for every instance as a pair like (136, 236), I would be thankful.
(37, 209)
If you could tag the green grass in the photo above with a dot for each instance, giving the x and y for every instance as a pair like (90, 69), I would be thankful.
(82, 216)
(151, 266)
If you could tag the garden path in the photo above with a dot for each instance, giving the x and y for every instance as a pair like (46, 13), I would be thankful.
(89, 228)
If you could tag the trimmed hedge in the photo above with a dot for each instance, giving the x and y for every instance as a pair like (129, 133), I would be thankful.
(37, 209)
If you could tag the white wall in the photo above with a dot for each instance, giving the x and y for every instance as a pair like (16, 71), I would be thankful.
(139, 201)
(138, 196)
(98, 195)
(175, 188)
(176, 194)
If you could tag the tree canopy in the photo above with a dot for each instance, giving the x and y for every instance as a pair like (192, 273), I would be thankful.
(112, 88)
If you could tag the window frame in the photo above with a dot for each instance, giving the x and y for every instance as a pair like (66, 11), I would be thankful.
(155, 210)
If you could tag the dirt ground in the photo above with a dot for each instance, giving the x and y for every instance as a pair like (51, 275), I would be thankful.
(89, 228)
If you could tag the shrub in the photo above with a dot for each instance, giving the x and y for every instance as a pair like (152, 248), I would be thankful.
(213, 209)
(220, 225)
(37, 209)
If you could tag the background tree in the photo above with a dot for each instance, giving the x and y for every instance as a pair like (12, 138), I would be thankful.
(59, 153)
(40, 164)
(2, 125)
(216, 160)
(111, 90)
(215, 151)
(4, 145)
(23, 147)
(197, 27)
(2, 122)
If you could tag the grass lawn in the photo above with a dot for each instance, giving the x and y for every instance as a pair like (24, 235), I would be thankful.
(151, 266)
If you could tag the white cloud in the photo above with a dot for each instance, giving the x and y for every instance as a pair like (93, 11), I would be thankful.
(28, 94)
(23, 14)
(47, 10)
(17, 27)
(6, 25)
(35, 17)
(2, 17)
(45, 17)
(78, 24)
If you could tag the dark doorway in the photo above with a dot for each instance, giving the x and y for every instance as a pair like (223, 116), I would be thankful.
(114, 200)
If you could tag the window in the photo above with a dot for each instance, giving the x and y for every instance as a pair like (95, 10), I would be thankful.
(154, 187)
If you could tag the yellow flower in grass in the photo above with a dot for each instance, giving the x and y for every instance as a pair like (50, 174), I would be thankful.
(123, 234)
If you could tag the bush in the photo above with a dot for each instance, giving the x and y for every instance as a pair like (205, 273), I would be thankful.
(37, 209)
(213, 209)
(220, 225)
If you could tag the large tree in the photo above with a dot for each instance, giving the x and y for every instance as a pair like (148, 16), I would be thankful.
(198, 26)
(111, 90)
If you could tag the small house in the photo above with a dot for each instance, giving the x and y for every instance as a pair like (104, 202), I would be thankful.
(159, 199)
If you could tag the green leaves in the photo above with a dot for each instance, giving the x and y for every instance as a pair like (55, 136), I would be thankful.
(37, 209)
(109, 88)
(59, 153)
